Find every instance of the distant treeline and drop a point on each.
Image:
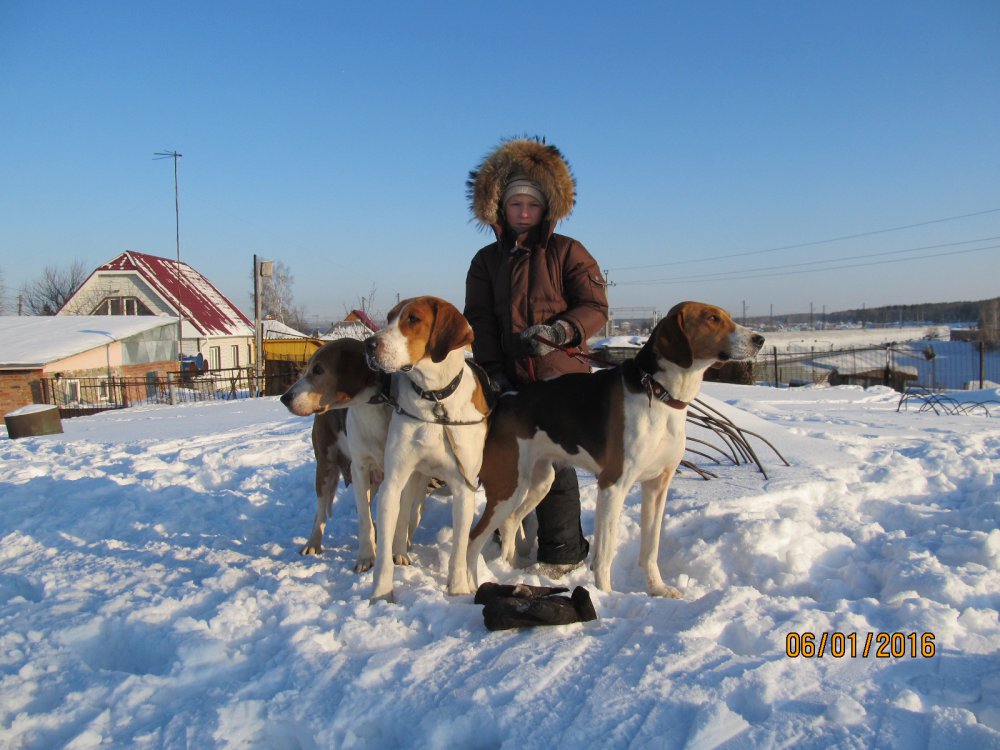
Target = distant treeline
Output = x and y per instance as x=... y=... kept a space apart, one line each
x=892 y=315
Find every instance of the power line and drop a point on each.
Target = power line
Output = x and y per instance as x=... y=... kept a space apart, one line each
x=743 y=273
x=753 y=275
x=810 y=244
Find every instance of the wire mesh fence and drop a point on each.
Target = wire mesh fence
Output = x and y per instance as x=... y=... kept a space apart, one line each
x=931 y=365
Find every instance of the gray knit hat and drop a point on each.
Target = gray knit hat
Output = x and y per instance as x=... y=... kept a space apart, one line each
x=521 y=185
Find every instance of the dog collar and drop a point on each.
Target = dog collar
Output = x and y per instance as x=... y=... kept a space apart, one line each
x=657 y=391
x=436 y=396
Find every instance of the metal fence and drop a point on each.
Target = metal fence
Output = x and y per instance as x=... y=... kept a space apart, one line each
x=81 y=396
x=933 y=365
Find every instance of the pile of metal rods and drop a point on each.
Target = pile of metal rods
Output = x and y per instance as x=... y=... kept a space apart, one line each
x=942 y=403
x=733 y=444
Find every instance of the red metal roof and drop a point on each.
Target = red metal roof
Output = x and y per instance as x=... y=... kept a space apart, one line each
x=192 y=295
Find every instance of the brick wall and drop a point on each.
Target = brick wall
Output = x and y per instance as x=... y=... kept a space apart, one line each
x=18 y=388
x=22 y=387
x=139 y=371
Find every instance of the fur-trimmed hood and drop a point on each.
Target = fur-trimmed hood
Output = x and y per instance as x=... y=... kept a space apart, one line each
x=540 y=162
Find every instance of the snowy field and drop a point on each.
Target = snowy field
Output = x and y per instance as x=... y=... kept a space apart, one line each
x=152 y=596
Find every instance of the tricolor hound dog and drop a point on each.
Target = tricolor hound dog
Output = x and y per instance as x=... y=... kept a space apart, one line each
x=348 y=437
x=439 y=423
x=624 y=424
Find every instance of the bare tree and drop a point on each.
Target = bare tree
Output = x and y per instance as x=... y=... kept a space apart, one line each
x=4 y=304
x=276 y=294
x=989 y=320
x=56 y=284
x=367 y=306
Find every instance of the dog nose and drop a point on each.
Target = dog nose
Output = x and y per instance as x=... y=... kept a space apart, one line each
x=758 y=340
x=370 y=345
x=286 y=398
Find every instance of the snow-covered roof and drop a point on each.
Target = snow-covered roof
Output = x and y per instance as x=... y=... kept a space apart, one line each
x=185 y=290
x=619 y=342
x=34 y=341
x=348 y=330
x=859 y=362
x=275 y=329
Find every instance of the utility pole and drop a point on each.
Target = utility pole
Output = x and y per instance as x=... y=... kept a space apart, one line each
x=261 y=268
x=177 y=227
x=609 y=326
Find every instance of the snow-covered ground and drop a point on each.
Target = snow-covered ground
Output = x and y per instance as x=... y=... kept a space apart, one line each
x=851 y=338
x=819 y=340
x=152 y=596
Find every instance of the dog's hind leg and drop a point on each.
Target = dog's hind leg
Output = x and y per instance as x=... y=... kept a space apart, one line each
x=610 y=501
x=514 y=538
x=527 y=533
x=654 y=501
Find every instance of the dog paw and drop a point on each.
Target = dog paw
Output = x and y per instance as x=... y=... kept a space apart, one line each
x=399 y=559
x=311 y=549
x=363 y=564
x=460 y=588
x=389 y=597
x=666 y=591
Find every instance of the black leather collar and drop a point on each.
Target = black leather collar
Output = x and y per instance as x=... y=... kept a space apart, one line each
x=437 y=396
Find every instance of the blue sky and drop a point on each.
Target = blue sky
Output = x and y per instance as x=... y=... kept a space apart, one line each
x=717 y=147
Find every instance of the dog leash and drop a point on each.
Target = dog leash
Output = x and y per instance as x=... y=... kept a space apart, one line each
x=574 y=352
x=653 y=389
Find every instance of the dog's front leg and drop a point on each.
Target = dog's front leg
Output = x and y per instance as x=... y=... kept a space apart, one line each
x=412 y=495
x=388 y=502
x=327 y=479
x=463 y=508
x=610 y=501
x=361 y=478
x=654 y=502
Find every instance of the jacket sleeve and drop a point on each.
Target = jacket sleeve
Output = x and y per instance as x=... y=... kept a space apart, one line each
x=480 y=307
x=585 y=291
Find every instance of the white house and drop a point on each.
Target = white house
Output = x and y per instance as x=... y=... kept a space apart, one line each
x=139 y=284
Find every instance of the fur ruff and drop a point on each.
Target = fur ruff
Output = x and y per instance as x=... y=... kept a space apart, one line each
x=540 y=162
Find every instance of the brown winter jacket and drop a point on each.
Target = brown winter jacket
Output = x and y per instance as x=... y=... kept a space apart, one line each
x=506 y=292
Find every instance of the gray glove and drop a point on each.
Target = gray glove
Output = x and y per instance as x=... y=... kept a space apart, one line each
x=556 y=333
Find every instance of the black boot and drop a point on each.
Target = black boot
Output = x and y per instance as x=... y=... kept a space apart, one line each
x=506 y=612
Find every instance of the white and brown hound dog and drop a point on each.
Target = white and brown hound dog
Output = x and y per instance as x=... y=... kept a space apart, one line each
x=625 y=424
x=439 y=423
x=348 y=437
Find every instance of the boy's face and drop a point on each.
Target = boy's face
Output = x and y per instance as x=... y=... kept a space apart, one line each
x=523 y=212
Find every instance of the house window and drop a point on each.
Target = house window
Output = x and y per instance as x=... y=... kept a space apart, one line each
x=215 y=358
x=236 y=355
x=71 y=391
x=121 y=306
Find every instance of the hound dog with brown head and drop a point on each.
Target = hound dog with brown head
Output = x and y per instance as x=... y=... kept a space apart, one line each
x=439 y=423
x=625 y=424
x=349 y=431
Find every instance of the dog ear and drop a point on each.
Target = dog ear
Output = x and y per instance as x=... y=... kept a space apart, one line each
x=450 y=331
x=673 y=344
